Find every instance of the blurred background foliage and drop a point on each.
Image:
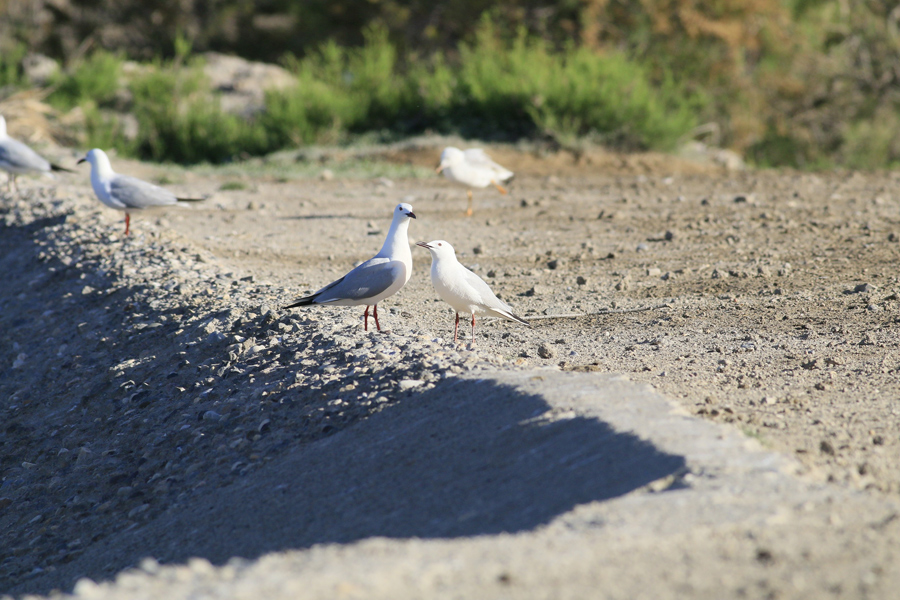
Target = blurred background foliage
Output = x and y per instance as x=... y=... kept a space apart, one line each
x=802 y=83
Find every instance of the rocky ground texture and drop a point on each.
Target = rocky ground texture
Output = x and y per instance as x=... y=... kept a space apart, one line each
x=138 y=373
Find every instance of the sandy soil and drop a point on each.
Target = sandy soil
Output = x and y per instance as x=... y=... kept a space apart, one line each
x=764 y=301
x=771 y=299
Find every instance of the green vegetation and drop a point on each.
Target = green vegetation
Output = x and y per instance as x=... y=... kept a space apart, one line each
x=93 y=80
x=232 y=186
x=11 y=66
x=498 y=89
x=180 y=118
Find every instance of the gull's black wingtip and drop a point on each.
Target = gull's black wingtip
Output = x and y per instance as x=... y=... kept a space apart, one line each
x=59 y=168
x=309 y=300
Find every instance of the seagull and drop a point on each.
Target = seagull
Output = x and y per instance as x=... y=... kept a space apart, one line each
x=462 y=289
x=123 y=192
x=472 y=168
x=17 y=159
x=377 y=278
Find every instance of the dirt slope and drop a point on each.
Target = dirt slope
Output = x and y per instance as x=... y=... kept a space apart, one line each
x=139 y=378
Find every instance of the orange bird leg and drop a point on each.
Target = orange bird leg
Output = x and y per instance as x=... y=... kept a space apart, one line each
x=499 y=187
x=469 y=210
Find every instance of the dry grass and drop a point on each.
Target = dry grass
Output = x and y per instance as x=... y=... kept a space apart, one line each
x=30 y=119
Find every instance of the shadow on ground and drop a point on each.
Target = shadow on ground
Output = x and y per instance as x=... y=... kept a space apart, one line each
x=468 y=458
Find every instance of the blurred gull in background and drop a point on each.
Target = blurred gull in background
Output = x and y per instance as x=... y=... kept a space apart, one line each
x=18 y=159
x=472 y=168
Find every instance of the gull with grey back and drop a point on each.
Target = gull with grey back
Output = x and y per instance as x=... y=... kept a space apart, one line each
x=377 y=278
x=462 y=289
x=18 y=159
x=124 y=192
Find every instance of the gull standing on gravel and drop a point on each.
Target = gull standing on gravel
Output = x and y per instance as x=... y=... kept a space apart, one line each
x=17 y=159
x=472 y=168
x=123 y=192
x=462 y=289
x=377 y=278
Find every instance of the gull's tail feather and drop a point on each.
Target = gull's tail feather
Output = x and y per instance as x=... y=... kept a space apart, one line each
x=190 y=199
x=59 y=168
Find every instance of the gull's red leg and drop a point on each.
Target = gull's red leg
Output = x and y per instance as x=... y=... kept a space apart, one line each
x=127 y=223
x=456 y=328
x=376 y=318
x=366 y=319
x=473 y=328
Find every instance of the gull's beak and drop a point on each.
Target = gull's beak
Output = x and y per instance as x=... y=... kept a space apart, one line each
x=81 y=161
x=439 y=168
x=424 y=245
x=411 y=215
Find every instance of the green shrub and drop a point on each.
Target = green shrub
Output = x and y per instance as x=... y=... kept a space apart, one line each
x=11 y=66
x=497 y=89
x=104 y=130
x=434 y=84
x=572 y=93
x=873 y=142
x=231 y=186
x=95 y=79
x=338 y=90
x=180 y=118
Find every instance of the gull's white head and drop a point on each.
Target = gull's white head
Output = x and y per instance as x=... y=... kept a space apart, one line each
x=404 y=212
x=439 y=249
x=2 y=127
x=98 y=160
x=449 y=157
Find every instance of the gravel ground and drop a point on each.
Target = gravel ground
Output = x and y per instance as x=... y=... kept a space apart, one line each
x=138 y=374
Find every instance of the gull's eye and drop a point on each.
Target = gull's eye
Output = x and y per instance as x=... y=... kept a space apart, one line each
x=440 y=244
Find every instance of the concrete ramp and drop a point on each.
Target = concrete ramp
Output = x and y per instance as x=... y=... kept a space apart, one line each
x=534 y=484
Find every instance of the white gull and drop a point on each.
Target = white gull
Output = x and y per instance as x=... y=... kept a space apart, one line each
x=472 y=168
x=462 y=289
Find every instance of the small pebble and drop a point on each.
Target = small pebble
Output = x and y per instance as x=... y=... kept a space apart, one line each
x=538 y=290
x=545 y=351
x=407 y=384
